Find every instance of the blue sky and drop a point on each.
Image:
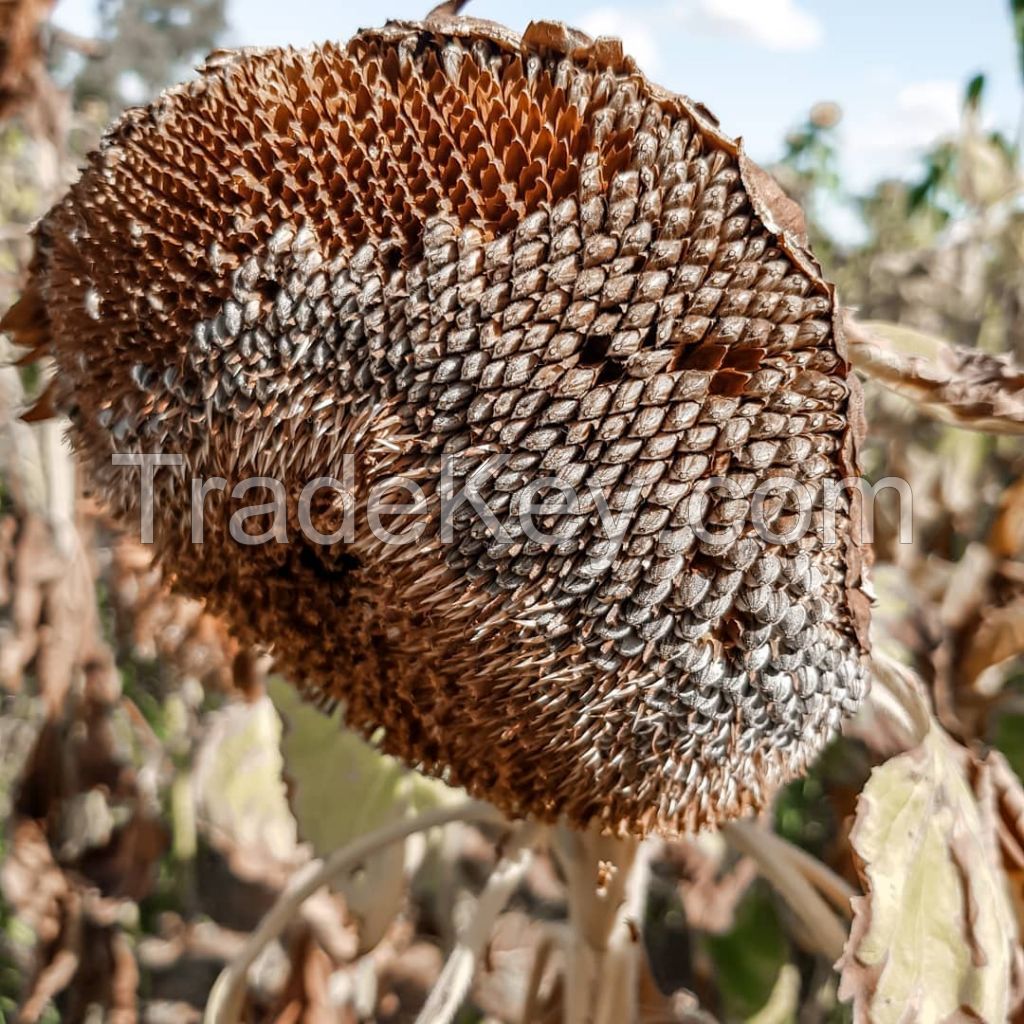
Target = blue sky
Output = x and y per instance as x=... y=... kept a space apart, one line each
x=896 y=67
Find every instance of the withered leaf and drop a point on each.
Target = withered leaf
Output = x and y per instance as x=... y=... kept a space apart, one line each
x=502 y=983
x=962 y=386
x=935 y=938
x=448 y=9
x=23 y=80
x=1006 y=538
x=710 y=885
x=998 y=636
x=32 y=883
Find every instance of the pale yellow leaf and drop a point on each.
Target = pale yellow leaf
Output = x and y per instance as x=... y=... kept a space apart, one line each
x=986 y=172
x=341 y=788
x=239 y=791
x=935 y=938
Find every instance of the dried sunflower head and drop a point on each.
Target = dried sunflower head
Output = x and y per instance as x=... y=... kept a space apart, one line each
x=460 y=256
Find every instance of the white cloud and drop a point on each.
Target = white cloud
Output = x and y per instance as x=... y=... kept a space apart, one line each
x=927 y=110
x=920 y=113
x=775 y=24
x=638 y=40
x=888 y=140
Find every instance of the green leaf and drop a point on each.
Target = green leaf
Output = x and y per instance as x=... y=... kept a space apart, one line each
x=1017 y=9
x=342 y=787
x=923 y=191
x=975 y=92
x=1009 y=738
x=749 y=958
x=784 y=1001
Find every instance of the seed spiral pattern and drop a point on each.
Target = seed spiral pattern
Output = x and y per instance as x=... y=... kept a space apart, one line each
x=448 y=250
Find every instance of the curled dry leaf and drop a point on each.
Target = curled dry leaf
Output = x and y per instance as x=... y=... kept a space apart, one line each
x=448 y=9
x=997 y=637
x=306 y=997
x=81 y=951
x=936 y=937
x=772 y=204
x=1006 y=538
x=896 y=716
x=962 y=386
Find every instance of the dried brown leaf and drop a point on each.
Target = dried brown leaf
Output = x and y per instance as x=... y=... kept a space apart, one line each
x=965 y=387
x=306 y=998
x=449 y=9
x=32 y=883
x=654 y=1007
x=773 y=206
x=997 y=637
x=22 y=58
x=1006 y=538
x=502 y=984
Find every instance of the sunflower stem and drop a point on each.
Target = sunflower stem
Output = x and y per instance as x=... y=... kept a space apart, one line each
x=606 y=877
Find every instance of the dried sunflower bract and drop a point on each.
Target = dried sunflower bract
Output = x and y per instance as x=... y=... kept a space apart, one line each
x=443 y=248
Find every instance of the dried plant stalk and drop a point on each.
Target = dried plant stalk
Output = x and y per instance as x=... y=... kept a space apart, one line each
x=606 y=879
x=453 y=985
x=225 y=1003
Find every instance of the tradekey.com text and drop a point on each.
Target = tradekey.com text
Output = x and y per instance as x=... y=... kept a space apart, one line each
x=400 y=510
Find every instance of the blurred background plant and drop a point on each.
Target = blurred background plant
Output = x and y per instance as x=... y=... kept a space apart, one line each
x=161 y=787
